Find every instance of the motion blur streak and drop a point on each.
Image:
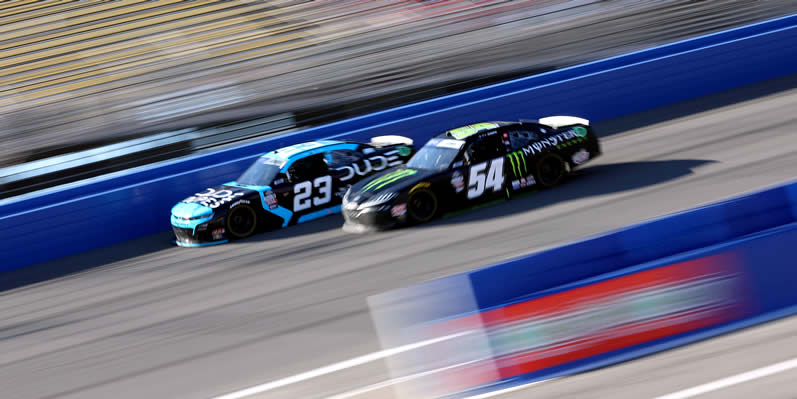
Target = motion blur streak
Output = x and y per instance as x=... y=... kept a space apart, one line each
x=87 y=73
x=146 y=320
x=533 y=335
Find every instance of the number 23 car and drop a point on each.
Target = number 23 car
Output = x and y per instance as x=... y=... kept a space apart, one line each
x=287 y=186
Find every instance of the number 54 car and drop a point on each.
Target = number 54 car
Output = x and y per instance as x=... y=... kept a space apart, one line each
x=469 y=165
x=284 y=187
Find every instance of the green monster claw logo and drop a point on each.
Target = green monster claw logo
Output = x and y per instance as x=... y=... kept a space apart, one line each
x=580 y=131
x=404 y=151
x=516 y=158
x=391 y=177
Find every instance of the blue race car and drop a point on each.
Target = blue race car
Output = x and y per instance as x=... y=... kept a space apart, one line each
x=287 y=186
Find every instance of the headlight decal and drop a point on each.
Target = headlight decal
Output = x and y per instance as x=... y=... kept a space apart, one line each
x=378 y=200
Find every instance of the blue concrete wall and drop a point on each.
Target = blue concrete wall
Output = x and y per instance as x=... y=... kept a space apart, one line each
x=765 y=268
x=134 y=203
x=655 y=239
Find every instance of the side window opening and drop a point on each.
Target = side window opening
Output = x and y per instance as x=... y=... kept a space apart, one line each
x=520 y=138
x=308 y=168
x=485 y=148
x=341 y=157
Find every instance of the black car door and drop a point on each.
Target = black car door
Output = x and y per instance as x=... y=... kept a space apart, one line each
x=485 y=168
x=312 y=187
x=520 y=166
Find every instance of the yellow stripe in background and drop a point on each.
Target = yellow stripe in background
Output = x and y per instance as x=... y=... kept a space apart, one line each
x=191 y=34
x=73 y=19
x=41 y=95
x=82 y=40
x=53 y=15
x=95 y=57
x=202 y=50
x=11 y=20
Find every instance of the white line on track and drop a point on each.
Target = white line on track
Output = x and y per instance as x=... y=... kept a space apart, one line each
x=383 y=384
x=733 y=380
x=357 y=361
x=506 y=390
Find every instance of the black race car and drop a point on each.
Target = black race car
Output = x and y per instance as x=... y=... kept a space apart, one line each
x=284 y=187
x=462 y=167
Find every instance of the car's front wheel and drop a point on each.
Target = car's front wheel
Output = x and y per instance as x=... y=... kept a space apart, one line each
x=241 y=221
x=422 y=205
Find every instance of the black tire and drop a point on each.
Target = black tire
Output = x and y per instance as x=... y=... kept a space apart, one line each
x=550 y=170
x=422 y=205
x=241 y=221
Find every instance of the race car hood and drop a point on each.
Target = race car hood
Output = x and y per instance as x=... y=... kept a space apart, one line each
x=216 y=198
x=191 y=211
x=394 y=180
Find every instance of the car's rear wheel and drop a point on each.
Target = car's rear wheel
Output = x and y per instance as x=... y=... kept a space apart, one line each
x=550 y=170
x=422 y=205
x=241 y=221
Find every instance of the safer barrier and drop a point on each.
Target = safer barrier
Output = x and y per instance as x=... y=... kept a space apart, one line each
x=645 y=288
x=75 y=218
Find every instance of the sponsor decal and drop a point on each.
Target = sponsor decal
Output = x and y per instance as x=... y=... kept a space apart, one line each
x=466 y=131
x=447 y=143
x=370 y=164
x=403 y=150
x=458 y=181
x=218 y=234
x=518 y=161
x=520 y=170
x=213 y=198
x=560 y=140
x=202 y=227
x=243 y=201
x=605 y=316
x=368 y=150
x=279 y=181
x=389 y=178
x=398 y=210
x=271 y=199
x=580 y=157
x=267 y=160
x=290 y=151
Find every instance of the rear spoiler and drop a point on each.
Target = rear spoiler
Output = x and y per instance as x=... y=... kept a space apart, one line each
x=559 y=121
x=389 y=140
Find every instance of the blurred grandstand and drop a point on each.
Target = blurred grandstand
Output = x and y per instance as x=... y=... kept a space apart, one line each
x=95 y=86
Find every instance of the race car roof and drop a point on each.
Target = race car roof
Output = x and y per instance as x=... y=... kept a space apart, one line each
x=462 y=133
x=286 y=156
x=301 y=150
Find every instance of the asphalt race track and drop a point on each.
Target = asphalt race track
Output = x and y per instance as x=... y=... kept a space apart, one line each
x=145 y=319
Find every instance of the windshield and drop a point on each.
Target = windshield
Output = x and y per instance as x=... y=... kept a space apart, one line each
x=261 y=173
x=436 y=154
